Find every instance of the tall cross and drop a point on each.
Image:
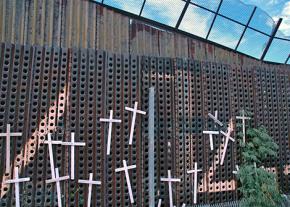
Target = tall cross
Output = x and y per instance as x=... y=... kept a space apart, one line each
x=49 y=142
x=195 y=171
x=243 y=118
x=9 y=134
x=169 y=179
x=215 y=118
x=90 y=182
x=110 y=120
x=57 y=180
x=228 y=137
x=16 y=181
x=135 y=111
x=211 y=137
x=73 y=144
x=126 y=168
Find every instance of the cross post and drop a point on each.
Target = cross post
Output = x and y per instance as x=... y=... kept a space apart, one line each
x=16 y=181
x=90 y=182
x=72 y=145
x=211 y=133
x=50 y=142
x=169 y=179
x=110 y=120
x=125 y=169
x=195 y=171
x=57 y=180
x=8 y=135
x=135 y=111
x=243 y=118
x=228 y=137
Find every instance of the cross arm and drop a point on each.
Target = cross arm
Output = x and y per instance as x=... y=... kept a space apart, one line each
x=57 y=179
x=19 y=180
x=170 y=179
x=211 y=132
x=74 y=143
x=193 y=171
x=90 y=182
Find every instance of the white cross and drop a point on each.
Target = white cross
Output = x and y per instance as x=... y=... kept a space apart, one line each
x=183 y=205
x=227 y=135
x=215 y=118
x=135 y=111
x=237 y=170
x=211 y=137
x=170 y=180
x=57 y=180
x=90 y=182
x=110 y=120
x=9 y=134
x=16 y=181
x=195 y=171
x=126 y=168
x=244 y=118
x=73 y=144
x=50 y=143
x=159 y=203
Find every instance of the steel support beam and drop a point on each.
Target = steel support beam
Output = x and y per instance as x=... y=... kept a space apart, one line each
x=182 y=14
x=215 y=15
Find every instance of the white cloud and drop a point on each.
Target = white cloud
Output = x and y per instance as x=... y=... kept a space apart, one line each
x=285 y=14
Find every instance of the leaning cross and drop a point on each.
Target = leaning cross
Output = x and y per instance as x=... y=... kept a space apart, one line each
x=73 y=144
x=126 y=168
x=215 y=118
x=243 y=118
x=135 y=111
x=227 y=135
x=57 y=180
x=159 y=203
x=110 y=120
x=211 y=137
x=237 y=170
x=169 y=179
x=90 y=182
x=195 y=171
x=8 y=134
x=50 y=143
x=16 y=181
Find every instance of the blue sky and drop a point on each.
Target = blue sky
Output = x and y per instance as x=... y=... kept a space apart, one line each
x=197 y=21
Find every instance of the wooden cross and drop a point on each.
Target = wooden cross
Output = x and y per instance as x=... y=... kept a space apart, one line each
x=90 y=182
x=16 y=181
x=57 y=180
x=50 y=143
x=9 y=134
x=169 y=179
x=110 y=120
x=227 y=135
x=126 y=168
x=211 y=137
x=237 y=170
x=243 y=118
x=159 y=203
x=73 y=144
x=195 y=171
x=215 y=118
x=135 y=111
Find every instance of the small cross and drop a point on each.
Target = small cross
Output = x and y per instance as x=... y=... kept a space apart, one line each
x=110 y=120
x=135 y=111
x=195 y=171
x=16 y=181
x=57 y=180
x=9 y=134
x=227 y=135
x=169 y=179
x=73 y=144
x=90 y=182
x=126 y=168
x=243 y=118
x=159 y=203
x=237 y=170
x=183 y=205
x=211 y=137
x=215 y=118
x=50 y=143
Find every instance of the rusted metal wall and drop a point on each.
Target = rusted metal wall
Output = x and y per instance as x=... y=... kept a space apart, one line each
x=80 y=23
x=60 y=90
